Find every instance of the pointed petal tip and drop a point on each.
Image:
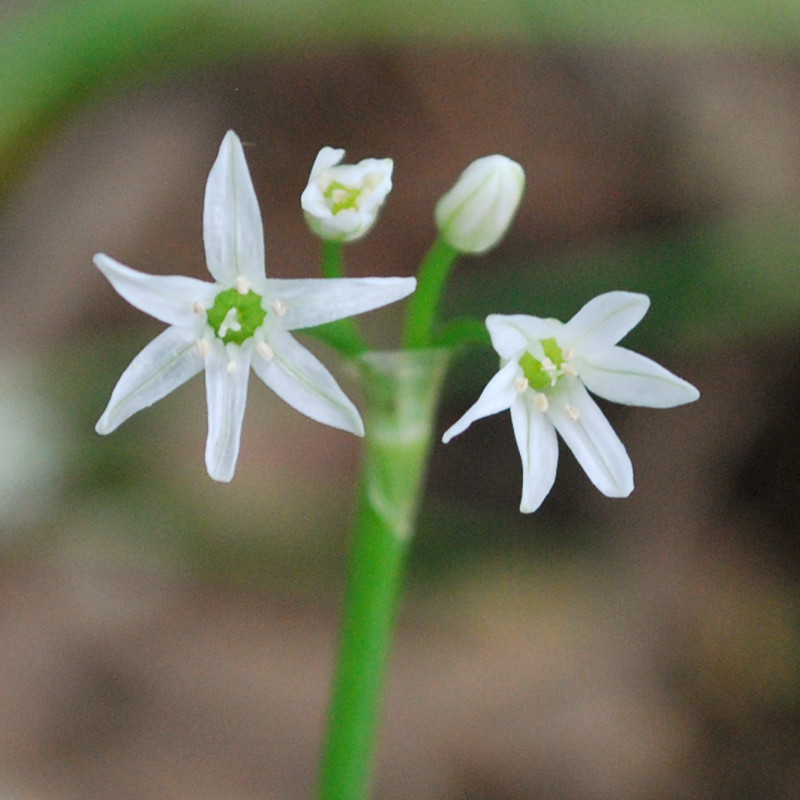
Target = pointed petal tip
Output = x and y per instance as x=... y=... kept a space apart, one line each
x=105 y=263
x=526 y=508
x=219 y=477
x=622 y=491
x=231 y=139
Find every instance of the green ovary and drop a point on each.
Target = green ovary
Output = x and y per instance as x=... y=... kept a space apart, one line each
x=342 y=197
x=538 y=377
x=247 y=317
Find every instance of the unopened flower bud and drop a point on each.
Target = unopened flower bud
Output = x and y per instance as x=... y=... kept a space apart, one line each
x=475 y=214
x=341 y=201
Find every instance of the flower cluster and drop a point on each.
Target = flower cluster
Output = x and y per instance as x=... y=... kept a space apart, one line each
x=244 y=319
x=241 y=320
x=547 y=367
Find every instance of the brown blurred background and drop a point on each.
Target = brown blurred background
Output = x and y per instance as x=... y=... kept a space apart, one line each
x=164 y=637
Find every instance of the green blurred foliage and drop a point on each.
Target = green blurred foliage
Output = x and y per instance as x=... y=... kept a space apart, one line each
x=57 y=54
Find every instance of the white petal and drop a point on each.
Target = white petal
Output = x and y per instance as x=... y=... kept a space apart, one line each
x=167 y=362
x=500 y=393
x=538 y=448
x=626 y=377
x=232 y=231
x=514 y=333
x=169 y=298
x=227 y=371
x=593 y=441
x=604 y=320
x=326 y=158
x=297 y=377
x=313 y=301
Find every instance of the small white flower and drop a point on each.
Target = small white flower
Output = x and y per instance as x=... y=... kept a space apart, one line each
x=546 y=368
x=241 y=320
x=475 y=214
x=341 y=201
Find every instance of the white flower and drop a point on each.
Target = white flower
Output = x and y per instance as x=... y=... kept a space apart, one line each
x=241 y=320
x=475 y=214
x=341 y=201
x=546 y=368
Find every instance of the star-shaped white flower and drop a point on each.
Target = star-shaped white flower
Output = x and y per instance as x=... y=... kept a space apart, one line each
x=244 y=319
x=341 y=201
x=546 y=368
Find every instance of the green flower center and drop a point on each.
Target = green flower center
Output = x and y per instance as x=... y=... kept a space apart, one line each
x=235 y=317
x=342 y=197
x=544 y=374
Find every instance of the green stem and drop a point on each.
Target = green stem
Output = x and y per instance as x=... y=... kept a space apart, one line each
x=344 y=334
x=423 y=305
x=332 y=259
x=401 y=392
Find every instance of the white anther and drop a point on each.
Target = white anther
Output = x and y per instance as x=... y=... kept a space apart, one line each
x=230 y=323
x=548 y=365
x=198 y=307
x=372 y=180
x=243 y=286
x=279 y=307
x=568 y=369
x=339 y=196
x=265 y=350
x=568 y=354
x=231 y=367
x=573 y=413
x=541 y=402
x=323 y=180
x=203 y=347
x=521 y=384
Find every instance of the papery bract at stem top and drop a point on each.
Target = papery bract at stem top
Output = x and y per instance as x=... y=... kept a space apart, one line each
x=241 y=320
x=547 y=367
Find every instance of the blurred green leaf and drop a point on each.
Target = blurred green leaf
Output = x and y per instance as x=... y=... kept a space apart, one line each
x=710 y=285
x=55 y=56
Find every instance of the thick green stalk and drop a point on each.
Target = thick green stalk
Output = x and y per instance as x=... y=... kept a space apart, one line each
x=423 y=305
x=401 y=392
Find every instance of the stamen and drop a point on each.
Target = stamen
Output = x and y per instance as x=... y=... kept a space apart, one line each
x=265 y=350
x=521 y=384
x=541 y=402
x=568 y=369
x=231 y=367
x=339 y=196
x=203 y=347
x=243 y=286
x=568 y=353
x=279 y=307
x=548 y=365
x=573 y=413
x=198 y=307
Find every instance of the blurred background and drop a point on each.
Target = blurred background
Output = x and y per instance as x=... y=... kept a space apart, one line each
x=164 y=637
